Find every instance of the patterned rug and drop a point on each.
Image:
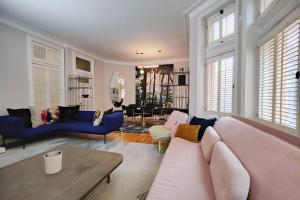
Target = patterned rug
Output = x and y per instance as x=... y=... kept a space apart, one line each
x=131 y=128
x=131 y=180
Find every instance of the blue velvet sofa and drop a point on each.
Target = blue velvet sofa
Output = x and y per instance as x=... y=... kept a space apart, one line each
x=13 y=127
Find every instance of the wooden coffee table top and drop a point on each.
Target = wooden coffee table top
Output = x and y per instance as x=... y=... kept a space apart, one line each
x=82 y=170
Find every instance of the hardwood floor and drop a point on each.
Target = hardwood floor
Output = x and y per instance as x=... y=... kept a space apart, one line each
x=132 y=137
x=125 y=137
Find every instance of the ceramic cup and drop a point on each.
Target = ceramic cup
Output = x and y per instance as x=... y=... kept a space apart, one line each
x=53 y=162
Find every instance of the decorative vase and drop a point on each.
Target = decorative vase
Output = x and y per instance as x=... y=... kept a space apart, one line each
x=53 y=162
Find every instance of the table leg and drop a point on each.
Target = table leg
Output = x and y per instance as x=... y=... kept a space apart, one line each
x=108 y=178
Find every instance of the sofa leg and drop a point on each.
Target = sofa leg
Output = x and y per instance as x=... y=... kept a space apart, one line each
x=3 y=141
x=24 y=144
x=104 y=139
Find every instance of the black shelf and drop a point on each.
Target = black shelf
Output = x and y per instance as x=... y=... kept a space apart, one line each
x=173 y=85
x=80 y=88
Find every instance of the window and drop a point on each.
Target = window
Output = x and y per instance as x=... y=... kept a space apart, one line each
x=220 y=83
x=221 y=26
x=264 y=4
x=47 y=76
x=278 y=80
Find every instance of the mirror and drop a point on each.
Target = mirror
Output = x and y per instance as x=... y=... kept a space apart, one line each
x=117 y=89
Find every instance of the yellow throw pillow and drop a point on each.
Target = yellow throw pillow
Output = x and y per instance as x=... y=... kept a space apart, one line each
x=188 y=132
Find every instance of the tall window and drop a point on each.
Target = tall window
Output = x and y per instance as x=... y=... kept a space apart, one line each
x=264 y=4
x=220 y=64
x=220 y=83
x=221 y=26
x=278 y=80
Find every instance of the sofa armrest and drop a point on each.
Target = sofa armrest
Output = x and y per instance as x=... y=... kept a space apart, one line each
x=11 y=126
x=113 y=121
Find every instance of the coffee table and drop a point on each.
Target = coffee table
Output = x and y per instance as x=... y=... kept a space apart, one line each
x=82 y=170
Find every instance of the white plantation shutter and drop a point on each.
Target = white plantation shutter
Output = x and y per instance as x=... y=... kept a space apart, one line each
x=54 y=87
x=228 y=24
x=264 y=4
x=266 y=77
x=47 y=76
x=213 y=32
x=40 y=86
x=287 y=51
x=226 y=84
x=220 y=83
x=212 y=85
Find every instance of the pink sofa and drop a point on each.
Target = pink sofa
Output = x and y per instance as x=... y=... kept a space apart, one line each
x=273 y=165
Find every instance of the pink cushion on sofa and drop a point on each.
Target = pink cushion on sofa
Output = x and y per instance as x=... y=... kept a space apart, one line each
x=208 y=142
x=170 y=123
x=183 y=174
x=273 y=164
x=230 y=179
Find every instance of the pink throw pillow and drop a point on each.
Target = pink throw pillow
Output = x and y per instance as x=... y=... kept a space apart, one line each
x=170 y=123
x=230 y=179
x=210 y=138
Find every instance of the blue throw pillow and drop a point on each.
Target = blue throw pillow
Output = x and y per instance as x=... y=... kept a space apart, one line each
x=204 y=123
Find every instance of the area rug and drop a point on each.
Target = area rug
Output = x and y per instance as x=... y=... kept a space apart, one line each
x=131 y=180
x=131 y=128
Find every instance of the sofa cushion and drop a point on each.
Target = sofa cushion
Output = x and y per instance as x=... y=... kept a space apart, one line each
x=39 y=131
x=230 y=179
x=23 y=113
x=85 y=127
x=204 y=123
x=208 y=142
x=181 y=176
x=272 y=163
x=188 y=132
x=69 y=113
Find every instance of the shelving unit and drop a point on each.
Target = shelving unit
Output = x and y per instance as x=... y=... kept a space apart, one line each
x=180 y=91
x=81 y=91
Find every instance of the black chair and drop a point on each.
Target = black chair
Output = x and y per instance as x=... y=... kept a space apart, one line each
x=148 y=111
x=133 y=111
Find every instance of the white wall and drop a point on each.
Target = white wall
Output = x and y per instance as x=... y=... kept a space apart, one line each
x=99 y=84
x=127 y=72
x=13 y=69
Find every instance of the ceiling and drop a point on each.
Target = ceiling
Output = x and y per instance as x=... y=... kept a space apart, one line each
x=110 y=29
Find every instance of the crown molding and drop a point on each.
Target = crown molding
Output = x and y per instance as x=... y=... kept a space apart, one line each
x=151 y=62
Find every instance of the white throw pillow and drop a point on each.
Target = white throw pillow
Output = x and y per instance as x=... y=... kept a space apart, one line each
x=210 y=138
x=36 y=117
x=98 y=117
x=230 y=179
